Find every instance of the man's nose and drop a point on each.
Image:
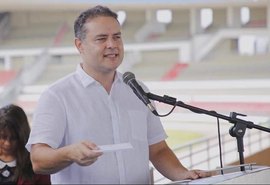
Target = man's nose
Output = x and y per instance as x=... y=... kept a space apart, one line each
x=111 y=43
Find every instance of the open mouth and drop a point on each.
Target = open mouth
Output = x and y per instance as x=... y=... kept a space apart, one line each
x=111 y=55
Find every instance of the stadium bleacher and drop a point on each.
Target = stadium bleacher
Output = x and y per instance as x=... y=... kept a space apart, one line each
x=54 y=28
x=6 y=76
x=41 y=28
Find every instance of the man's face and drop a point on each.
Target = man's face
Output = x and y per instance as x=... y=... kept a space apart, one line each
x=102 y=49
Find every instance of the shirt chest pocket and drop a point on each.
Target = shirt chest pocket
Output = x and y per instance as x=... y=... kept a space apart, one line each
x=138 y=124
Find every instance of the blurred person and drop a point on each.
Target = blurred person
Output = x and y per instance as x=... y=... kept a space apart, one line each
x=15 y=163
x=93 y=107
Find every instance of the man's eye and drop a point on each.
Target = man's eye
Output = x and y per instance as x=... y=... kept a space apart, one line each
x=100 y=39
x=117 y=37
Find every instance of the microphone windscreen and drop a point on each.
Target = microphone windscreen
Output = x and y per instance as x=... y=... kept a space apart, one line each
x=127 y=76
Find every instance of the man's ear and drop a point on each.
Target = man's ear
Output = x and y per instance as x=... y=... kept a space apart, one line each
x=78 y=44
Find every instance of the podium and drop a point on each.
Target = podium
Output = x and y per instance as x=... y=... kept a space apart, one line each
x=233 y=175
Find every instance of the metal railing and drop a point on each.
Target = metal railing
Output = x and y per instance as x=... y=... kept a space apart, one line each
x=204 y=153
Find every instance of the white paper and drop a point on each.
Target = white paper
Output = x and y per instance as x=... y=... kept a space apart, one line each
x=115 y=147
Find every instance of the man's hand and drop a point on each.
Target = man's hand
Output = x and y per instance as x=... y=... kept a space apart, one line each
x=46 y=160
x=84 y=153
x=195 y=174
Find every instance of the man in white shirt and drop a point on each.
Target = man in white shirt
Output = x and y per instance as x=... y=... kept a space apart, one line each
x=93 y=107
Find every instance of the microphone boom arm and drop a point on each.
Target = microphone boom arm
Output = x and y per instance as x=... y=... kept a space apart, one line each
x=238 y=130
x=232 y=119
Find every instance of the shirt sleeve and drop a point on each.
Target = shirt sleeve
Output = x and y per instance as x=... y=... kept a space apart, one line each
x=49 y=122
x=156 y=132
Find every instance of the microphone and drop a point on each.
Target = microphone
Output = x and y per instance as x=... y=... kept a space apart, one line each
x=129 y=79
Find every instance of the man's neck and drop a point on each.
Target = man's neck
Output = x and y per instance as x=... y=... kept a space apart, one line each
x=104 y=78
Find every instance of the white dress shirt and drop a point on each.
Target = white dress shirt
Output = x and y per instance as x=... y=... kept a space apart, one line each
x=78 y=108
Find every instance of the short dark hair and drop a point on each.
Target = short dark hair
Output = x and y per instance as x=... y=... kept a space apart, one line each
x=79 y=30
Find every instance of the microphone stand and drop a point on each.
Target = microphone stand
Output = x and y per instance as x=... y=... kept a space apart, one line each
x=237 y=130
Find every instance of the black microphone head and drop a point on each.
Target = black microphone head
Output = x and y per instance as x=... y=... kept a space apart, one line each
x=127 y=76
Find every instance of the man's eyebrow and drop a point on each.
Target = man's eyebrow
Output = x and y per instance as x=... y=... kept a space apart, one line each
x=118 y=33
x=106 y=35
x=101 y=35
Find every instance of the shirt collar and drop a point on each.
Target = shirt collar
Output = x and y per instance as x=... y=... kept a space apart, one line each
x=83 y=76
x=10 y=164
x=87 y=80
x=118 y=77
